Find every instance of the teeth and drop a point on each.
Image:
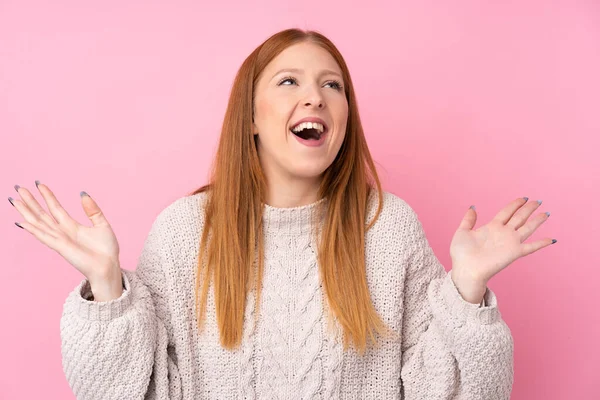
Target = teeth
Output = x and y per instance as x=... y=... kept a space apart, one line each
x=309 y=125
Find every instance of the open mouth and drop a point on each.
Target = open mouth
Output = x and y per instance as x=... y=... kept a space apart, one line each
x=309 y=131
x=308 y=134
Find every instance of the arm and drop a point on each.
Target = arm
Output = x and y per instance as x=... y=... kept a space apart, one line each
x=118 y=349
x=450 y=348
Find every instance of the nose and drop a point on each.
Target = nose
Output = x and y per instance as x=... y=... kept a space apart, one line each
x=314 y=98
x=319 y=104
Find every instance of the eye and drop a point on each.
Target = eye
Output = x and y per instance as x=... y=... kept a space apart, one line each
x=336 y=84
x=287 y=78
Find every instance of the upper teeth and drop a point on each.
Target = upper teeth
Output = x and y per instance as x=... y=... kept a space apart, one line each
x=309 y=125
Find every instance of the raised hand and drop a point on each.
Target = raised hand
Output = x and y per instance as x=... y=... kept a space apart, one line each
x=477 y=255
x=93 y=251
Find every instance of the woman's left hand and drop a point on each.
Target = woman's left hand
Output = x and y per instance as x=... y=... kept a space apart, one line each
x=477 y=255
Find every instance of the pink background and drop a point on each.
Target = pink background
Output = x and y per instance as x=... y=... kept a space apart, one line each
x=463 y=102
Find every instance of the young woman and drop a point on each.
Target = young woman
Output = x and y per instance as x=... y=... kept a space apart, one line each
x=291 y=274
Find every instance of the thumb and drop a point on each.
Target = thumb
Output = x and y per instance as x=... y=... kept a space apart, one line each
x=92 y=210
x=469 y=220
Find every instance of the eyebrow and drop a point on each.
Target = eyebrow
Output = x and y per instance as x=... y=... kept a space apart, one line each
x=300 y=71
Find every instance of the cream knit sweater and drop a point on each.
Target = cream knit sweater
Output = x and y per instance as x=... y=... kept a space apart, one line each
x=145 y=344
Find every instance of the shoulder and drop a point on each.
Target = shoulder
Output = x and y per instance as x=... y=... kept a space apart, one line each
x=398 y=220
x=395 y=210
x=184 y=208
x=184 y=205
x=179 y=219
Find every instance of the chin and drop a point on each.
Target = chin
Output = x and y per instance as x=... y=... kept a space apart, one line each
x=310 y=171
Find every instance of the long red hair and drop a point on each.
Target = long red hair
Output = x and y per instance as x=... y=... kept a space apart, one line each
x=236 y=197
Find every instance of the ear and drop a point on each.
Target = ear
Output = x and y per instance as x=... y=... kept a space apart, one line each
x=254 y=127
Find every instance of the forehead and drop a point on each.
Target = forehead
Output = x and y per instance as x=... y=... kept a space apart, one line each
x=307 y=56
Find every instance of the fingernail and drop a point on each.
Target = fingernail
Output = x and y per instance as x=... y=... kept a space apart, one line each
x=553 y=241
x=539 y=202
x=11 y=201
x=82 y=193
x=526 y=198
x=473 y=207
x=548 y=213
x=37 y=183
x=17 y=187
x=19 y=225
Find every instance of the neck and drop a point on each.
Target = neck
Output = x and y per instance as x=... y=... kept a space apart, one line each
x=292 y=191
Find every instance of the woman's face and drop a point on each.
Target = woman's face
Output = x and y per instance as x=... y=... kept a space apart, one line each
x=282 y=98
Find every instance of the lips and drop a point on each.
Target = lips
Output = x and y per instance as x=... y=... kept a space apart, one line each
x=312 y=142
x=311 y=119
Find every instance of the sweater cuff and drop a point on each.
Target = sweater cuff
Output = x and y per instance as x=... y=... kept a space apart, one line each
x=102 y=310
x=464 y=311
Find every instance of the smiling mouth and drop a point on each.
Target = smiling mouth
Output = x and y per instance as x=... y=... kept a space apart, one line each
x=309 y=134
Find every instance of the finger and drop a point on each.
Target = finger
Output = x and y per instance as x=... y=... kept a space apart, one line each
x=42 y=235
x=469 y=220
x=528 y=248
x=507 y=212
x=521 y=216
x=33 y=213
x=92 y=210
x=56 y=209
x=527 y=230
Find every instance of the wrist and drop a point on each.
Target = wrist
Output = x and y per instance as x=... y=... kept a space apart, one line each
x=470 y=290
x=108 y=286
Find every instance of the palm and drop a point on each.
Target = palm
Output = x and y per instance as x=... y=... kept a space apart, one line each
x=98 y=239
x=90 y=245
x=94 y=251
x=481 y=253
x=490 y=248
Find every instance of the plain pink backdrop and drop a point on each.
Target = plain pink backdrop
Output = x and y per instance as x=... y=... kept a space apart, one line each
x=463 y=102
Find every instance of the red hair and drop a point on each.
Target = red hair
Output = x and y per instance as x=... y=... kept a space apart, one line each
x=236 y=197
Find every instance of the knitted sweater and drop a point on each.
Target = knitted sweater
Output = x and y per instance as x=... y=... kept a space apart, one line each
x=146 y=345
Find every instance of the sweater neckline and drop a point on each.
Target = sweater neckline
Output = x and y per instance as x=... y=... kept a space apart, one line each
x=298 y=220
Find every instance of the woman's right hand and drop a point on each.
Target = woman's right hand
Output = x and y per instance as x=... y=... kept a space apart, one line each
x=93 y=251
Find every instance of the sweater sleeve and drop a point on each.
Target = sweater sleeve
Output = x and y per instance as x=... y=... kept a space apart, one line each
x=451 y=349
x=119 y=349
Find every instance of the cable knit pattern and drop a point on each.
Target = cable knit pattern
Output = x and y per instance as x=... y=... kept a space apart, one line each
x=290 y=331
x=246 y=369
x=145 y=344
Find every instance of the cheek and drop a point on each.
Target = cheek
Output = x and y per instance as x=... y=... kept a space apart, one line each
x=342 y=121
x=341 y=116
x=273 y=111
x=262 y=111
x=344 y=110
x=338 y=107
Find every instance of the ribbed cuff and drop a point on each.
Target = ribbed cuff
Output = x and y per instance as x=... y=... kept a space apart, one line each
x=464 y=311
x=102 y=310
